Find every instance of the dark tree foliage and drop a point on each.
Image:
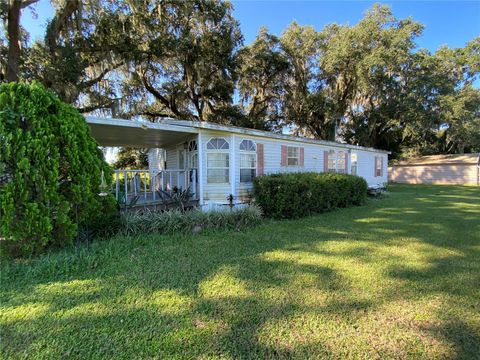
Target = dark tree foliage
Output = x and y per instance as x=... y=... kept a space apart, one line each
x=365 y=84
x=50 y=170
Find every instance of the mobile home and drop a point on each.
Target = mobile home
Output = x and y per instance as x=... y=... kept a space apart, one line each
x=218 y=163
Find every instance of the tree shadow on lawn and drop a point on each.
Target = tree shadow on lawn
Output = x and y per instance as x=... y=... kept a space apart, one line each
x=92 y=324
x=169 y=296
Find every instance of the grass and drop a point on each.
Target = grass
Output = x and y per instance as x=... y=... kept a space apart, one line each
x=396 y=278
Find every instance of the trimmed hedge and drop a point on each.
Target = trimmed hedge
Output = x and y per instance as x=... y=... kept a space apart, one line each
x=293 y=195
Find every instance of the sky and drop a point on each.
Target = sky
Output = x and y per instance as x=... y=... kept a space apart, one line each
x=451 y=23
x=446 y=22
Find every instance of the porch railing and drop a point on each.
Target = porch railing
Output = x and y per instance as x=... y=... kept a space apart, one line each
x=147 y=186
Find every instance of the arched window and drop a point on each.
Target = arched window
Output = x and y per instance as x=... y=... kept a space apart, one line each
x=192 y=145
x=192 y=155
x=218 y=144
x=248 y=161
x=248 y=145
x=218 y=161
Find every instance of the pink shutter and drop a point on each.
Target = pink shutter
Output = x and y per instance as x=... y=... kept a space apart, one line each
x=346 y=162
x=325 y=161
x=260 y=165
x=284 y=155
x=375 y=167
x=381 y=164
x=302 y=156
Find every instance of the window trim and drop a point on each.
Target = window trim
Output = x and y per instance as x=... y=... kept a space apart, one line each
x=290 y=157
x=378 y=166
x=217 y=137
x=330 y=152
x=250 y=140
x=340 y=157
x=193 y=148
x=352 y=163
x=218 y=151
x=247 y=152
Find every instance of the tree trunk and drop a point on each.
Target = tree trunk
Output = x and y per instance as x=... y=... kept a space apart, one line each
x=13 y=29
x=13 y=32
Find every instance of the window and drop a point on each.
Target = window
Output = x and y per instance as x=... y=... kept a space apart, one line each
x=378 y=166
x=331 y=162
x=192 y=156
x=218 y=144
x=341 y=162
x=247 y=145
x=218 y=161
x=293 y=156
x=248 y=161
x=354 y=164
x=192 y=145
x=193 y=161
x=335 y=161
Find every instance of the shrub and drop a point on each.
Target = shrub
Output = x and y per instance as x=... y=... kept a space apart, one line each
x=51 y=170
x=292 y=195
x=194 y=221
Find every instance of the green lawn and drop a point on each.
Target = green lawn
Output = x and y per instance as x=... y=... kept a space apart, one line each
x=396 y=278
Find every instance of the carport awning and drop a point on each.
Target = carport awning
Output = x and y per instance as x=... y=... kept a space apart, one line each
x=130 y=133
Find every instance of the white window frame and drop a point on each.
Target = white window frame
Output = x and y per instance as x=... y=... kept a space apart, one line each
x=297 y=157
x=340 y=156
x=225 y=151
x=192 y=145
x=192 y=154
x=354 y=163
x=334 y=168
x=378 y=166
x=248 y=153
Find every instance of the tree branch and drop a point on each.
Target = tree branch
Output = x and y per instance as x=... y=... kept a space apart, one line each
x=158 y=96
x=59 y=22
x=27 y=3
x=91 y=82
x=95 y=107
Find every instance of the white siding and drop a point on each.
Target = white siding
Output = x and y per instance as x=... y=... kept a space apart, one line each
x=313 y=161
x=366 y=167
x=172 y=160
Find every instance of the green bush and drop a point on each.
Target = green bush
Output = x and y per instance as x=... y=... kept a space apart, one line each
x=293 y=195
x=194 y=221
x=50 y=171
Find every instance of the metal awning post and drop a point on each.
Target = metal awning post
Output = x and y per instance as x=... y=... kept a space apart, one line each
x=125 y=179
x=153 y=180
x=117 y=184
x=194 y=183
x=145 y=187
x=185 y=176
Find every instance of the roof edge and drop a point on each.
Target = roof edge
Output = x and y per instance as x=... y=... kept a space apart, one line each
x=174 y=124
x=263 y=133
